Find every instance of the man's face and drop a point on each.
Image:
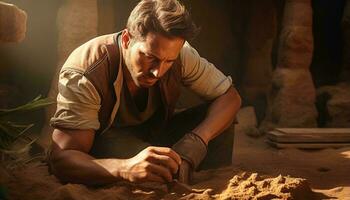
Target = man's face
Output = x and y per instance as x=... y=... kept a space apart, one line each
x=149 y=59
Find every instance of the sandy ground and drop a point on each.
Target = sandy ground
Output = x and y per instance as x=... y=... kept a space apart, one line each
x=259 y=172
x=327 y=171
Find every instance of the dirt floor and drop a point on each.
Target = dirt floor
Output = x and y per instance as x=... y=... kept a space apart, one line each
x=259 y=172
x=326 y=171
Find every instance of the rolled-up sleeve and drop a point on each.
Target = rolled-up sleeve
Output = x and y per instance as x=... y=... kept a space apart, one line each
x=201 y=76
x=78 y=102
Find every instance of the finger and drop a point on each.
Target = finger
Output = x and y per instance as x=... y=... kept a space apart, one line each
x=152 y=177
x=165 y=161
x=164 y=172
x=167 y=151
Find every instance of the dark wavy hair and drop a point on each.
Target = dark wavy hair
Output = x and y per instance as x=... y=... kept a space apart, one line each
x=167 y=17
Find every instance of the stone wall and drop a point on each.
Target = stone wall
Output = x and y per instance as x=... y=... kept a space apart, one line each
x=13 y=25
x=269 y=59
x=29 y=65
x=77 y=22
x=265 y=46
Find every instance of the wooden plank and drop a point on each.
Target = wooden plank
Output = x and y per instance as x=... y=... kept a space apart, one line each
x=314 y=130
x=277 y=136
x=307 y=145
x=280 y=137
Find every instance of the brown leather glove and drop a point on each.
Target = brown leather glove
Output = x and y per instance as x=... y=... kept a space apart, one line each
x=192 y=150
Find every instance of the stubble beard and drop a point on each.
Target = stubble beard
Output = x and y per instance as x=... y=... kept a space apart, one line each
x=131 y=71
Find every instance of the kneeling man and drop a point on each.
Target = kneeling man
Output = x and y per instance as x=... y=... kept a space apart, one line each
x=115 y=115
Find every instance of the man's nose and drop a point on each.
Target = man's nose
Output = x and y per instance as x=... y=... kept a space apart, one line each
x=157 y=69
x=155 y=72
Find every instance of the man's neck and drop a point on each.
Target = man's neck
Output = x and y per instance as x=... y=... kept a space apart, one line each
x=133 y=89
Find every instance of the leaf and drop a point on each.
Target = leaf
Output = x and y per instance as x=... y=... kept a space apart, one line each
x=19 y=150
x=30 y=106
x=11 y=132
x=26 y=127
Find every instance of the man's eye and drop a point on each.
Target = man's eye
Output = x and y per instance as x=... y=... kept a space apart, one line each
x=147 y=56
x=151 y=58
x=170 y=62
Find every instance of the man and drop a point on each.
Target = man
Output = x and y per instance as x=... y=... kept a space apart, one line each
x=117 y=94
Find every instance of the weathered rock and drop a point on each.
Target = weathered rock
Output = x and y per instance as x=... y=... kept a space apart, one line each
x=296 y=46
x=292 y=98
x=296 y=40
x=77 y=22
x=334 y=105
x=345 y=73
x=297 y=13
x=13 y=22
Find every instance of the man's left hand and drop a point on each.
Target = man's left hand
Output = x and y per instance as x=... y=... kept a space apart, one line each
x=192 y=150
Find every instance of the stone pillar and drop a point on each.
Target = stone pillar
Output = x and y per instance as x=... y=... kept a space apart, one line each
x=13 y=23
x=77 y=22
x=291 y=101
x=345 y=73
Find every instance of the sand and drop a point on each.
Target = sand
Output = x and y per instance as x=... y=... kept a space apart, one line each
x=326 y=170
x=34 y=182
x=259 y=172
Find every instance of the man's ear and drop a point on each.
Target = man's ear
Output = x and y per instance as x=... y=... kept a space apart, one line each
x=125 y=39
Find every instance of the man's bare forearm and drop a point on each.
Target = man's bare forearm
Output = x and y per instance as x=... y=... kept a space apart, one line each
x=70 y=162
x=220 y=115
x=78 y=167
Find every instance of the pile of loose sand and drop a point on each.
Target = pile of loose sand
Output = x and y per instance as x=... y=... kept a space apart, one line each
x=34 y=182
x=255 y=187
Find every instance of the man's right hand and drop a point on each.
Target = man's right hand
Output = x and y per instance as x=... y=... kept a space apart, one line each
x=154 y=164
x=70 y=162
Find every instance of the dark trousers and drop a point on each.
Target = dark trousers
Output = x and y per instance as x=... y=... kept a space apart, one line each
x=129 y=141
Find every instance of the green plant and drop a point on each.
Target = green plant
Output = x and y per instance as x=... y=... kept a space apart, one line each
x=13 y=138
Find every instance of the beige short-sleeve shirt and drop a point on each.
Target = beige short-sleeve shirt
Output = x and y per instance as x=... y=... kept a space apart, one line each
x=201 y=76
x=78 y=102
